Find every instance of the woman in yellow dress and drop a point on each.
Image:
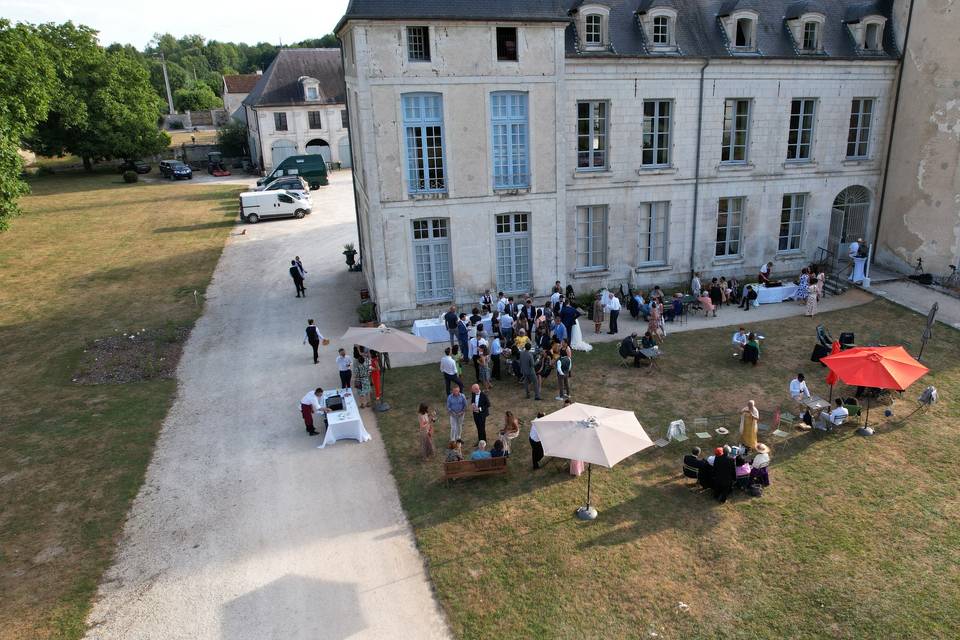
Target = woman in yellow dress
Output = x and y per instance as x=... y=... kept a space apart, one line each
x=749 y=416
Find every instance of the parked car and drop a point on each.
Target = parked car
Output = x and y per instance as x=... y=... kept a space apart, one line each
x=310 y=167
x=134 y=165
x=290 y=184
x=174 y=170
x=257 y=205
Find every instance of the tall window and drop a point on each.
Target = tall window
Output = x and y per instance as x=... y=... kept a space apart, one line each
x=513 y=252
x=591 y=135
x=511 y=163
x=418 y=44
x=729 y=221
x=736 y=130
x=871 y=37
x=811 y=36
x=656 y=133
x=423 y=123
x=800 y=139
x=312 y=93
x=654 y=222
x=280 y=121
x=344 y=120
x=431 y=255
x=791 y=221
x=744 y=34
x=592 y=237
x=313 y=118
x=593 y=36
x=661 y=30
x=858 y=140
x=506 y=43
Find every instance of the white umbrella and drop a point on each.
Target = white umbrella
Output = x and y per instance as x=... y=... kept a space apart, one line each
x=385 y=340
x=596 y=435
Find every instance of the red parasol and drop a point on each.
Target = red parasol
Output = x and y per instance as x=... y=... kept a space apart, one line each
x=878 y=367
x=832 y=377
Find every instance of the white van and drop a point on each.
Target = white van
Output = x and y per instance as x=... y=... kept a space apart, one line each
x=256 y=205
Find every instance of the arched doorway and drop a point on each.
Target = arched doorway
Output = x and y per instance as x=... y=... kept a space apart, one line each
x=281 y=150
x=319 y=145
x=344 y=150
x=848 y=220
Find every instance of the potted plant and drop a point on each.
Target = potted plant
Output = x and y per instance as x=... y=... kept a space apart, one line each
x=367 y=314
x=351 y=255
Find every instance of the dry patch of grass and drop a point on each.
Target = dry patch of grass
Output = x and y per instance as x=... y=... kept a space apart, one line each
x=855 y=538
x=203 y=136
x=90 y=258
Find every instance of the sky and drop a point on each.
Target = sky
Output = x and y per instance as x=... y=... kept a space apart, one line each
x=126 y=22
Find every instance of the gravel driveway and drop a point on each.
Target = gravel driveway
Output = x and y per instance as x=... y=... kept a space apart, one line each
x=243 y=528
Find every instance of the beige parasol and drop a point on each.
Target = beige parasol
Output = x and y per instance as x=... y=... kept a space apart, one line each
x=385 y=340
x=596 y=435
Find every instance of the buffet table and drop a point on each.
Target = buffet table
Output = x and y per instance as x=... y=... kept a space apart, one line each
x=434 y=329
x=768 y=295
x=346 y=424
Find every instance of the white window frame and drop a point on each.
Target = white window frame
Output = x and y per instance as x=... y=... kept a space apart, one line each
x=875 y=47
x=810 y=28
x=729 y=206
x=421 y=166
x=593 y=30
x=510 y=230
x=653 y=224
x=598 y=140
x=730 y=134
x=859 y=133
x=436 y=243
x=796 y=128
x=649 y=21
x=731 y=24
x=278 y=117
x=584 y=14
x=319 y=118
x=591 y=244
x=417 y=51
x=654 y=122
x=794 y=206
x=513 y=132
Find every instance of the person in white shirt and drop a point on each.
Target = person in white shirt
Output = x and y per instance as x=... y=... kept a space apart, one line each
x=345 y=367
x=536 y=447
x=472 y=351
x=612 y=304
x=854 y=249
x=309 y=405
x=695 y=285
x=835 y=418
x=765 y=273
x=740 y=338
x=798 y=388
x=555 y=298
x=506 y=328
x=501 y=302
x=448 y=367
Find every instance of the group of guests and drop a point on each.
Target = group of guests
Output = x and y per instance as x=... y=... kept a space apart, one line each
x=477 y=404
x=747 y=344
x=727 y=469
x=809 y=283
x=714 y=294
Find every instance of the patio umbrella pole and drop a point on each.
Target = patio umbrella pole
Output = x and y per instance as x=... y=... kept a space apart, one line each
x=587 y=512
x=381 y=406
x=865 y=430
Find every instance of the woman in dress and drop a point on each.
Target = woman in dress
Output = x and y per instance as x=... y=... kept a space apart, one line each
x=654 y=324
x=511 y=429
x=759 y=465
x=454 y=451
x=375 y=374
x=483 y=364
x=813 y=297
x=803 y=286
x=361 y=377
x=426 y=418
x=598 y=313
x=749 y=416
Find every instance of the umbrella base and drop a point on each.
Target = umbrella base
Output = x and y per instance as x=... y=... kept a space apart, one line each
x=586 y=513
x=865 y=431
x=381 y=406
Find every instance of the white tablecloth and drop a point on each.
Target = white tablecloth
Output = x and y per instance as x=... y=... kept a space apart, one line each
x=768 y=295
x=434 y=329
x=859 y=269
x=346 y=424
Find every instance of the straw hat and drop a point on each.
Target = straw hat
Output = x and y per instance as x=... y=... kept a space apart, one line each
x=762 y=448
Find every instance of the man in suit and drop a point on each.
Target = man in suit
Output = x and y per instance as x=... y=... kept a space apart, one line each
x=568 y=316
x=529 y=372
x=450 y=322
x=480 y=407
x=463 y=334
x=297 y=276
x=628 y=349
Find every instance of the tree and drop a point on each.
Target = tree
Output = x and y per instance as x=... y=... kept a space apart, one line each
x=27 y=84
x=104 y=106
x=232 y=139
x=196 y=96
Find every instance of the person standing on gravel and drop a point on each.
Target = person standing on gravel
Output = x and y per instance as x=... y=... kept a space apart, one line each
x=345 y=368
x=313 y=336
x=297 y=276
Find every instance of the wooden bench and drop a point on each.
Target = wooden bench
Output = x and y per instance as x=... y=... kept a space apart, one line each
x=474 y=468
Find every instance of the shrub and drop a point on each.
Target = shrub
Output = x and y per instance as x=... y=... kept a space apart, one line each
x=130 y=177
x=366 y=312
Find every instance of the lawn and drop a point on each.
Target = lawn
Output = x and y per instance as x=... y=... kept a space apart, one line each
x=855 y=538
x=90 y=258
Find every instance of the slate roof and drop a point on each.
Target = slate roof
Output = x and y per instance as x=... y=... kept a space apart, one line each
x=699 y=32
x=280 y=83
x=241 y=83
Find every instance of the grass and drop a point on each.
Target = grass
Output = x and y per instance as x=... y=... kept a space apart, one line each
x=855 y=538
x=91 y=256
x=203 y=136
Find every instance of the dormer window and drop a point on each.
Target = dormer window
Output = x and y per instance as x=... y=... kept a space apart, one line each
x=593 y=31
x=312 y=93
x=806 y=29
x=871 y=37
x=811 y=36
x=744 y=36
x=311 y=88
x=658 y=27
x=868 y=33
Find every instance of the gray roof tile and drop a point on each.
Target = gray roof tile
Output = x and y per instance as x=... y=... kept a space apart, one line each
x=280 y=83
